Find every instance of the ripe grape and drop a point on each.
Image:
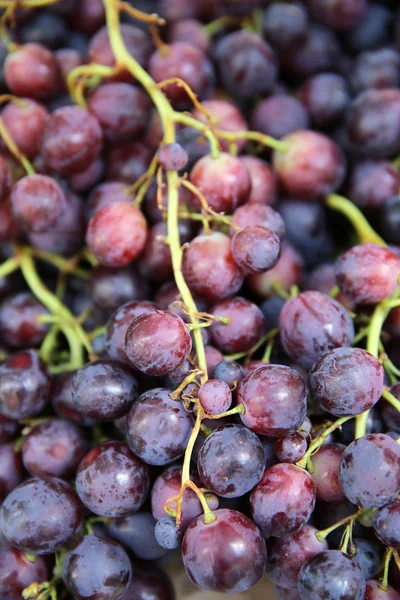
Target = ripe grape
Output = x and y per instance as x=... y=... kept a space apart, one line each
x=362 y=184
x=291 y=448
x=215 y=396
x=11 y=469
x=118 y=324
x=148 y=584
x=111 y=481
x=228 y=371
x=311 y=324
x=48 y=514
x=168 y=534
x=210 y=551
x=320 y=51
x=20 y=324
x=386 y=524
x=226 y=117
x=259 y=215
x=377 y=69
x=374 y=591
x=326 y=464
x=97 y=568
x=262 y=180
x=25 y=122
x=110 y=287
x=31 y=71
x=244 y=328
x=255 y=249
x=172 y=157
x=370 y=471
x=137 y=43
x=286 y=273
x=282 y=502
x=105 y=194
x=326 y=96
x=285 y=25
x=275 y=400
x=137 y=533
x=279 y=115
x=368 y=556
x=158 y=427
x=17 y=572
x=189 y=31
x=342 y=15
x=127 y=162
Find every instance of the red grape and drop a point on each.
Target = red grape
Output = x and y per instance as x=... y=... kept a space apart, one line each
x=262 y=180
x=255 y=249
x=25 y=122
x=20 y=324
x=244 y=328
x=257 y=214
x=326 y=463
x=215 y=396
x=31 y=71
x=118 y=324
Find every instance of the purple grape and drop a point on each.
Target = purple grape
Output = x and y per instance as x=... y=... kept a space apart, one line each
x=326 y=463
x=168 y=534
x=17 y=572
x=283 y=500
x=62 y=401
x=228 y=555
x=118 y=324
x=148 y=584
x=228 y=371
x=368 y=556
x=137 y=533
x=11 y=469
x=245 y=326
x=231 y=461
x=291 y=448
x=215 y=396
x=386 y=524
x=370 y=471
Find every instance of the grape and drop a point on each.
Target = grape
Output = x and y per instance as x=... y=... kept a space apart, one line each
x=105 y=194
x=104 y=390
x=377 y=69
x=386 y=524
x=41 y=516
x=97 y=568
x=282 y=502
x=37 y=202
x=118 y=324
x=326 y=463
x=19 y=320
x=228 y=371
x=31 y=71
x=117 y=234
x=331 y=574
x=67 y=60
x=71 y=140
x=209 y=269
x=25 y=122
x=224 y=181
x=346 y=381
x=310 y=165
x=137 y=533
x=285 y=25
x=89 y=15
x=327 y=514
x=372 y=29
x=109 y=288
x=17 y=572
x=11 y=469
x=311 y=324
x=262 y=180
x=231 y=461
x=275 y=400
x=255 y=249
x=247 y=64
x=157 y=342
x=227 y=555
x=190 y=31
x=226 y=117
x=121 y=109
x=158 y=428
x=111 y=481
x=62 y=401
x=155 y=261
x=291 y=449
x=259 y=215
x=370 y=471
x=53 y=449
x=342 y=15
x=326 y=97
x=168 y=535
x=25 y=385
x=319 y=52
x=362 y=185
x=215 y=396
x=373 y=591
x=8 y=429
x=287 y=555
x=279 y=115
x=127 y=162
x=389 y=219
x=368 y=556
x=172 y=157
x=244 y=328
x=9 y=228
x=373 y=123
x=286 y=273
x=149 y=584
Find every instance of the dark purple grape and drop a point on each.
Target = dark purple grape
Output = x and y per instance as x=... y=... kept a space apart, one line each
x=386 y=524
x=137 y=533
x=31 y=71
x=71 y=140
x=156 y=343
x=259 y=215
x=104 y=390
x=53 y=449
x=215 y=396
x=319 y=52
x=378 y=69
x=372 y=183
x=11 y=469
x=311 y=324
x=168 y=534
x=121 y=109
x=370 y=471
x=287 y=555
x=210 y=551
x=109 y=288
x=172 y=157
x=9 y=229
x=17 y=572
x=47 y=29
x=326 y=97
x=346 y=381
x=255 y=249
x=25 y=385
x=368 y=556
x=247 y=64
x=148 y=584
x=367 y=273
x=340 y=15
x=275 y=400
x=244 y=329
x=127 y=162
x=326 y=463
x=111 y=481
x=372 y=30
x=231 y=461
x=105 y=194
x=8 y=429
x=86 y=179
x=67 y=60
x=285 y=25
x=20 y=324
x=389 y=219
x=262 y=180
x=374 y=591
x=228 y=371
x=311 y=165
x=158 y=427
x=373 y=123
x=97 y=569
x=331 y=574
x=41 y=516
x=24 y=122
x=156 y=261
x=37 y=203
x=291 y=449
x=88 y=15
x=283 y=500
x=62 y=401
x=118 y=324
x=279 y=115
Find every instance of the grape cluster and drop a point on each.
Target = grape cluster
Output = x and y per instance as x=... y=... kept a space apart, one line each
x=199 y=298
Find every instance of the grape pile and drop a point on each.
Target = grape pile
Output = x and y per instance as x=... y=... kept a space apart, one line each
x=199 y=298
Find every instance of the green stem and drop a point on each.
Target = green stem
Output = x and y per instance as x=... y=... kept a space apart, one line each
x=317 y=443
x=390 y=398
x=265 y=338
x=9 y=266
x=13 y=148
x=323 y=534
x=366 y=234
x=238 y=410
x=388 y=557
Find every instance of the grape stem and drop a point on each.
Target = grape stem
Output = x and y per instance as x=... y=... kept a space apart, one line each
x=391 y=399
x=323 y=533
x=13 y=148
x=388 y=557
x=366 y=234
x=317 y=443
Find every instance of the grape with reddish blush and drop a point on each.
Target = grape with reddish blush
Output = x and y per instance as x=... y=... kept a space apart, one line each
x=25 y=122
x=286 y=273
x=227 y=117
x=257 y=214
x=255 y=249
x=326 y=463
x=31 y=71
x=262 y=180
x=11 y=469
x=215 y=396
x=374 y=591
x=240 y=327
x=386 y=524
x=17 y=571
x=291 y=448
x=20 y=325
x=137 y=42
x=118 y=324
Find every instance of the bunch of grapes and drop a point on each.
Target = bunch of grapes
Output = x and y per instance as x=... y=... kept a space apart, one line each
x=199 y=297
